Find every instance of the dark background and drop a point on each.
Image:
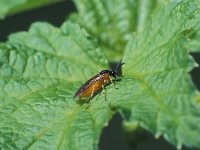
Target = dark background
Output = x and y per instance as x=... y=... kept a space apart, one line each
x=113 y=136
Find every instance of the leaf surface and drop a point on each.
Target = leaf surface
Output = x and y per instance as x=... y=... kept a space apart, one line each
x=114 y=21
x=157 y=66
x=8 y=7
x=40 y=72
x=194 y=44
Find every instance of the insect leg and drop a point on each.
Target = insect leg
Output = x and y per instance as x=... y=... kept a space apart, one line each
x=92 y=94
x=113 y=83
x=104 y=92
x=89 y=105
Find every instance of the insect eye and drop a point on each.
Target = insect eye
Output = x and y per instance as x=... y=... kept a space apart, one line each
x=113 y=73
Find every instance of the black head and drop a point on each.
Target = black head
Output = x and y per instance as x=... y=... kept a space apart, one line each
x=112 y=72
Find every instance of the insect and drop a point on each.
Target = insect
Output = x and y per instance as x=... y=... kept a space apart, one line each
x=96 y=84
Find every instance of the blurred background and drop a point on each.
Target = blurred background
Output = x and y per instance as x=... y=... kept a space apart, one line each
x=113 y=136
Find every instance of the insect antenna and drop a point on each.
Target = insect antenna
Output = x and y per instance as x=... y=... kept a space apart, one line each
x=118 y=66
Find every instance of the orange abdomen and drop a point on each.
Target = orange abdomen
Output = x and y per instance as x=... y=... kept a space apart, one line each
x=95 y=87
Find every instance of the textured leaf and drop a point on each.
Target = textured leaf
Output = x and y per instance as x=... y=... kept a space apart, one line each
x=40 y=72
x=8 y=7
x=194 y=44
x=157 y=66
x=114 y=21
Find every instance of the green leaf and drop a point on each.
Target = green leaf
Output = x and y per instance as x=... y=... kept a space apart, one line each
x=40 y=71
x=157 y=65
x=194 y=38
x=9 y=7
x=198 y=99
x=194 y=44
x=114 y=21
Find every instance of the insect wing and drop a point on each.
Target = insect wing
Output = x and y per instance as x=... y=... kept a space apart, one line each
x=86 y=85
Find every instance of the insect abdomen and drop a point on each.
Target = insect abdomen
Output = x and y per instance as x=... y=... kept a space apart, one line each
x=93 y=88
